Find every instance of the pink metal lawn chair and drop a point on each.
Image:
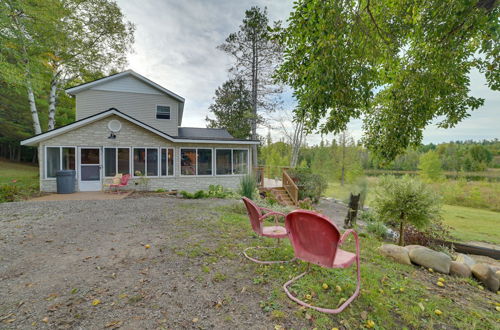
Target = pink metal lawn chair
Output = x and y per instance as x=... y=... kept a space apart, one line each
x=123 y=183
x=316 y=239
x=257 y=216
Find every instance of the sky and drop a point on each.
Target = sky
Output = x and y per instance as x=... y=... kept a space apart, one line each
x=175 y=46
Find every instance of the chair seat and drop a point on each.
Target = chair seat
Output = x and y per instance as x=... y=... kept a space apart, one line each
x=343 y=259
x=274 y=231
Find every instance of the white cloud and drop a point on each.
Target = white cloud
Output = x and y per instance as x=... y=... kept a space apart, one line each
x=176 y=47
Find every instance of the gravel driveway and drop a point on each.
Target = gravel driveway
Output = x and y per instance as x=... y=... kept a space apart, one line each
x=84 y=264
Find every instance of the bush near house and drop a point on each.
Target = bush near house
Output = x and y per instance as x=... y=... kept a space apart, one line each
x=310 y=185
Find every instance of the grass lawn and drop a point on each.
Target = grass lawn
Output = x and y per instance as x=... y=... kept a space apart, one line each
x=473 y=224
x=393 y=295
x=469 y=224
x=20 y=178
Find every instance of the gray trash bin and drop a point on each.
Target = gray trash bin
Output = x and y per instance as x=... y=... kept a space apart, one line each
x=65 y=181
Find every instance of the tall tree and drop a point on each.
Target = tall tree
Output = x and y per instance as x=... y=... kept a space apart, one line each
x=397 y=64
x=97 y=38
x=25 y=30
x=232 y=108
x=256 y=55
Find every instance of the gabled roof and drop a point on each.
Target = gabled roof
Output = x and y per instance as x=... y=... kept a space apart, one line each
x=34 y=140
x=204 y=133
x=85 y=86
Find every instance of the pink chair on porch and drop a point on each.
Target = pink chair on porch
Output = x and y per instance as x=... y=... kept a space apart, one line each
x=123 y=183
x=257 y=215
x=316 y=239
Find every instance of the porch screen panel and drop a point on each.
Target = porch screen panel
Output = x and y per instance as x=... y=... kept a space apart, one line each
x=223 y=161
x=204 y=161
x=163 y=162
x=109 y=161
x=139 y=161
x=152 y=162
x=68 y=159
x=53 y=161
x=240 y=161
x=124 y=160
x=188 y=161
x=170 y=159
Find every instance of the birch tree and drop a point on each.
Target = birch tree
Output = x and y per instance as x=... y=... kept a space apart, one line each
x=97 y=38
x=256 y=54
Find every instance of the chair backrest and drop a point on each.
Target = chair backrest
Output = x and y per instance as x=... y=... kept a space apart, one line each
x=254 y=214
x=125 y=178
x=314 y=237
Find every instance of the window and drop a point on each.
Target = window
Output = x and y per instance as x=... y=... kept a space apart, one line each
x=116 y=160
x=167 y=161
x=231 y=161
x=152 y=162
x=204 y=165
x=58 y=158
x=223 y=159
x=139 y=161
x=162 y=112
x=240 y=161
x=146 y=161
x=188 y=161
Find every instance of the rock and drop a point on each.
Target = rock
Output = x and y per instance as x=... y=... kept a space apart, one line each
x=411 y=247
x=485 y=274
x=395 y=252
x=498 y=274
x=460 y=269
x=465 y=259
x=428 y=258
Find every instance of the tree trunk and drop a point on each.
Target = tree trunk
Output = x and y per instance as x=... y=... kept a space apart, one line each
x=52 y=104
x=401 y=233
x=254 y=102
x=297 y=143
x=34 y=112
x=342 y=175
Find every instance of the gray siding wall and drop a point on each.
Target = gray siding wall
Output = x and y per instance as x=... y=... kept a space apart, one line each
x=140 y=106
x=96 y=135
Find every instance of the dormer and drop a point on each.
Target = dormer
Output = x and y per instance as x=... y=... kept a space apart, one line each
x=134 y=95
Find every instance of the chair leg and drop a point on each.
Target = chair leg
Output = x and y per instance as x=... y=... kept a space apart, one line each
x=263 y=261
x=320 y=309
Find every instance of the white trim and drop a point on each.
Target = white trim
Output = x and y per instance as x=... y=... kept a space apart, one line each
x=163 y=105
x=232 y=162
x=35 y=139
x=101 y=168
x=77 y=89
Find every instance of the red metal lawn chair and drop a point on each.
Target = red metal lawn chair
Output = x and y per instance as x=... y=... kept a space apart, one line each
x=123 y=183
x=316 y=239
x=257 y=215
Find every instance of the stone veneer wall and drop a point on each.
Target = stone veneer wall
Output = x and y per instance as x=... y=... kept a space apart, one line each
x=96 y=135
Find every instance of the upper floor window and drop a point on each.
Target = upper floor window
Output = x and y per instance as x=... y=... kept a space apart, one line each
x=162 y=112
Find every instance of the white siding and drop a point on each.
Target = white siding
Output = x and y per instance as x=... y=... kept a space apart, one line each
x=127 y=84
x=137 y=105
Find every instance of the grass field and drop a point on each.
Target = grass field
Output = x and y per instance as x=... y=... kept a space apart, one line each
x=17 y=180
x=469 y=224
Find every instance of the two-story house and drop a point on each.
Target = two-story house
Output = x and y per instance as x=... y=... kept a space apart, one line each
x=127 y=124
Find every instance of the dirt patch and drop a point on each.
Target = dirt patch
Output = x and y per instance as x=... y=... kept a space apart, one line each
x=85 y=264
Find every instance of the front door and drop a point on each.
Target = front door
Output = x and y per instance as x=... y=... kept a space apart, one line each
x=90 y=169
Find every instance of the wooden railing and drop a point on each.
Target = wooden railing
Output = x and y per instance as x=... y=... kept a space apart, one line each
x=259 y=173
x=290 y=187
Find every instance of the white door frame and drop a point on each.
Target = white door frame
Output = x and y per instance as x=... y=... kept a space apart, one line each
x=89 y=185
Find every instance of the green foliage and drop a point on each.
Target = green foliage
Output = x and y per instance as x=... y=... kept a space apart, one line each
x=430 y=167
x=9 y=193
x=305 y=204
x=405 y=201
x=411 y=61
x=197 y=195
x=310 y=185
x=377 y=228
x=232 y=108
x=214 y=191
x=275 y=156
x=248 y=186
x=361 y=187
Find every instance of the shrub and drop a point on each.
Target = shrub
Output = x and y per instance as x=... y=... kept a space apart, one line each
x=377 y=228
x=196 y=195
x=218 y=191
x=406 y=201
x=429 y=236
x=368 y=216
x=310 y=185
x=306 y=204
x=9 y=193
x=248 y=186
x=430 y=167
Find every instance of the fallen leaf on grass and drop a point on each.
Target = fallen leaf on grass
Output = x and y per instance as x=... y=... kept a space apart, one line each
x=438 y=312
x=370 y=324
x=113 y=324
x=364 y=315
x=421 y=306
x=96 y=302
